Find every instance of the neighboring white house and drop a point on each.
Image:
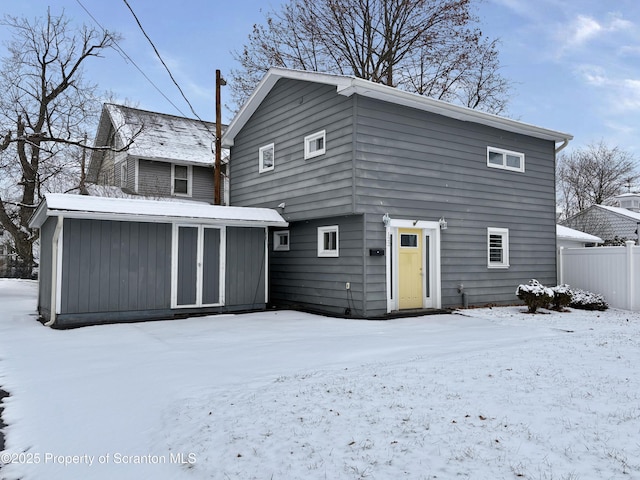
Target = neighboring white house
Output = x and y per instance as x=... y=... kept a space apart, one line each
x=570 y=238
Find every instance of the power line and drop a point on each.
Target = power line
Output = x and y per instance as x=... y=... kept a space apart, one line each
x=121 y=51
x=167 y=68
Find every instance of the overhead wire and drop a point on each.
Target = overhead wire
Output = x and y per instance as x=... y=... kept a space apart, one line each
x=167 y=68
x=122 y=53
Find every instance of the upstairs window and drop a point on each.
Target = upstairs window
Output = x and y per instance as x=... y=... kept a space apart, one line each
x=315 y=144
x=266 y=158
x=181 y=180
x=497 y=247
x=505 y=159
x=328 y=241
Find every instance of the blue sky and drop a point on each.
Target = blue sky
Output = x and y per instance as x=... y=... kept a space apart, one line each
x=574 y=64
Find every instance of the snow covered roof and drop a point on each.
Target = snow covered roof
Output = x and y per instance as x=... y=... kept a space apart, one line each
x=566 y=233
x=347 y=86
x=140 y=210
x=621 y=211
x=162 y=137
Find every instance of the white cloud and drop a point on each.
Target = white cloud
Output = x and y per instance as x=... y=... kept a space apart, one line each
x=620 y=94
x=584 y=29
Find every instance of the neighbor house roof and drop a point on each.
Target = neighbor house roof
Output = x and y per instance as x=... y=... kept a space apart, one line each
x=635 y=216
x=162 y=137
x=347 y=86
x=127 y=209
x=566 y=233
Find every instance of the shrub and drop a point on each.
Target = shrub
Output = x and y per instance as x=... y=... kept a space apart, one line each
x=534 y=295
x=587 y=300
x=562 y=296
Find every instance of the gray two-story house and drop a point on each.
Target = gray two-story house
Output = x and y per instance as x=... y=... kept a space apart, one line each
x=396 y=202
x=154 y=155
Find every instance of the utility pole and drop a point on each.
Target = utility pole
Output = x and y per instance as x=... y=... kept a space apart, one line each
x=217 y=173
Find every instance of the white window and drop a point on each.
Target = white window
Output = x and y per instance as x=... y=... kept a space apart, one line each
x=267 y=158
x=181 y=180
x=328 y=241
x=497 y=247
x=505 y=159
x=315 y=145
x=281 y=241
x=123 y=174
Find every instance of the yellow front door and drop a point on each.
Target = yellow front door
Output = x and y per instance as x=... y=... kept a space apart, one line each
x=409 y=268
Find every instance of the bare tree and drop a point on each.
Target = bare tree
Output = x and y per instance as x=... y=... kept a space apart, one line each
x=430 y=47
x=45 y=104
x=593 y=174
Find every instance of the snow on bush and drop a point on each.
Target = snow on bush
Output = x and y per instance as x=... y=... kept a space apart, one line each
x=587 y=300
x=535 y=295
x=562 y=296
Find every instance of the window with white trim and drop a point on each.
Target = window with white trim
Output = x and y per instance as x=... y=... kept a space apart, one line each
x=505 y=159
x=315 y=144
x=281 y=240
x=497 y=247
x=266 y=156
x=328 y=241
x=181 y=179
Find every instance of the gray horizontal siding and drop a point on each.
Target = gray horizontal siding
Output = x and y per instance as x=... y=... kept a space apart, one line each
x=291 y=111
x=111 y=266
x=299 y=277
x=154 y=178
x=416 y=165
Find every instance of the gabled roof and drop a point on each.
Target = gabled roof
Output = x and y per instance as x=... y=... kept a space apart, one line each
x=347 y=86
x=137 y=210
x=623 y=212
x=162 y=137
x=566 y=233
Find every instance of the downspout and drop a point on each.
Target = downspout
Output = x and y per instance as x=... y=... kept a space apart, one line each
x=54 y=271
x=563 y=146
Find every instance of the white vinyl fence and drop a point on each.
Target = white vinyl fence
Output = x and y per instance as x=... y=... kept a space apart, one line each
x=612 y=271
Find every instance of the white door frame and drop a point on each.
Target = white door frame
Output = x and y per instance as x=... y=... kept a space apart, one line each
x=428 y=228
x=199 y=263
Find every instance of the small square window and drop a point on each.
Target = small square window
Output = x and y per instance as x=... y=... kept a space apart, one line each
x=281 y=241
x=505 y=159
x=315 y=144
x=267 y=158
x=328 y=241
x=497 y=247
x=181 y=181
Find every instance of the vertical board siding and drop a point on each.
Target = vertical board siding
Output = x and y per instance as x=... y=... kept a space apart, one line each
x=245 y=259
x=291 y=111
x=187 y=265
x=211 y=266
x=46 y=267
x=421 y=166
x=300 y=278
x=111 y=266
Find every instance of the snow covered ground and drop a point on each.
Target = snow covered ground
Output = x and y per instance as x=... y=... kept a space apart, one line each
x=481 y=394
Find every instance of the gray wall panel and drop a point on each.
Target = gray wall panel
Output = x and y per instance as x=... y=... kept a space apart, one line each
x=245 y=266
x=300 y=278
x=115 y=266
x=45 y=267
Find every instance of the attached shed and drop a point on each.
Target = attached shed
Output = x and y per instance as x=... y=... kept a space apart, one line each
x=107 y=260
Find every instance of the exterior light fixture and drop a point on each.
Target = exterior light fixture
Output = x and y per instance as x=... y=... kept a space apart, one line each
x=386 y=220
x=443 y=223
